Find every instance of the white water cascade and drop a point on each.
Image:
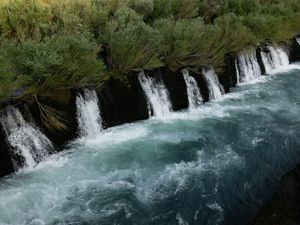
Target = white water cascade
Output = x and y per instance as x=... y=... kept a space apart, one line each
x=25 y=139
x=194 y=95
x=298 y=40
x=237 y=71
x=274 y=58
x=88 y=114
x=157 y=96
x=215 y=88
x=247 y=67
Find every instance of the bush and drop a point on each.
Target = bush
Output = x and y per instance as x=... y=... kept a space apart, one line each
x=24 y=19
x=53 y=44
x=179 y=41
x=131 y=43
x=57 y=62
x=177 y=9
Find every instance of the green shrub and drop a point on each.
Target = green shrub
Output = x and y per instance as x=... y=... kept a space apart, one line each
x=131 y=43
x=24 y=19
x=57 y=62
x=53 y=44
x=179 y=41
x=175 y=8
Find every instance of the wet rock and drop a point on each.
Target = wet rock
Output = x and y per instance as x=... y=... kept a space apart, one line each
x=284 y=207
x=295 y=49
x=228 y=76
x=6 y=163
x=176 y=86
x=122 y=102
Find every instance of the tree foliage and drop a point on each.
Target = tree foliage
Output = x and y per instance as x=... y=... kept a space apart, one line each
x=54 y=44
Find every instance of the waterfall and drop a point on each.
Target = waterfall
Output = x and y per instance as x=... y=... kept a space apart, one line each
x=247 y=67
x=25 y=139
x=298 y=40
x=157 y=96
x=193 y=91
x=88 y=114
x=215 y=88
x=274 y=58
x=237 y=72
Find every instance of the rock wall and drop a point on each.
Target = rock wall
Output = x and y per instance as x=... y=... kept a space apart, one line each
x=122 y=102
x=6 y=164
x=176 y=86
x=295 y=49
x=228 y=77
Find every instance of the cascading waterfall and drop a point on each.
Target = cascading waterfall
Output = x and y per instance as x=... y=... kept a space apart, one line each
x=215 y=88
x=175 y=171
x=274 y=58
x=247 y=67
x=298 y=40
x=193 y=91
x=157 y=95
x=237 y=72
x=88 y=114
x=25 y=139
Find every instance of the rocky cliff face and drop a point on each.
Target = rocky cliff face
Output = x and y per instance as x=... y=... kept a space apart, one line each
x=122 y=102
x=6 y=164
x=175 y=84
x=228 y=78
x=294 y=49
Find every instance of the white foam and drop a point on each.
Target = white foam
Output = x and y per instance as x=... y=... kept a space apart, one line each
x=193 y=92
x=25 y=139
x=275 y=58
x=88 y=114
x=157 y=96
x=247 y=67
x=215 y=88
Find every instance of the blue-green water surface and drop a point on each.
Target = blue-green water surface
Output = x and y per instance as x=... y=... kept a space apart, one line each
x=217 y=165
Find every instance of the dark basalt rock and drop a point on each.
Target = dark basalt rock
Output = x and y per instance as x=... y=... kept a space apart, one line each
x=176 y=86
x=284 y=207
x=228 y=78
x=295 y=49
x=63 y=102
x=122 y=102
x=202 y=84
x=6 y=164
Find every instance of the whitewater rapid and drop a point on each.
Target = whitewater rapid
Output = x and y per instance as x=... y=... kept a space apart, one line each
x=199 y=167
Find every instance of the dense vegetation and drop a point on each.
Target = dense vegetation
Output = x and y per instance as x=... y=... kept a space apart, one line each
x=54 y=44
